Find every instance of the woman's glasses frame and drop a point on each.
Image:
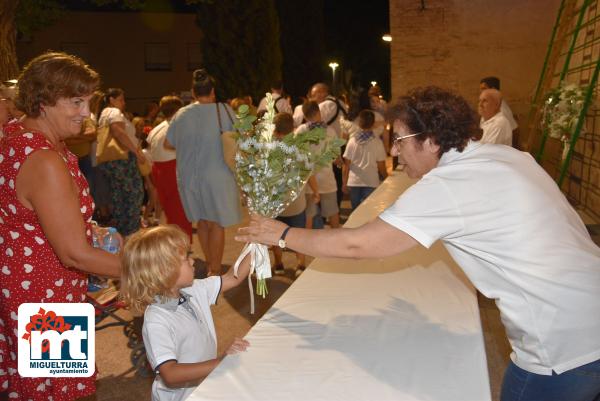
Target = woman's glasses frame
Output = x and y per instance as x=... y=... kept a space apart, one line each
x=397 y=139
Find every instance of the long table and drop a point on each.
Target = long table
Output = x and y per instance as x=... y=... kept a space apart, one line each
x=400 y=328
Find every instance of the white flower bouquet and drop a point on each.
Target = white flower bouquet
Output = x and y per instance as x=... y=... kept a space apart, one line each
x=271 y=174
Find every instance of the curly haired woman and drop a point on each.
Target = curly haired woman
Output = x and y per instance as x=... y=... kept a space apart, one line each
x=506 y=224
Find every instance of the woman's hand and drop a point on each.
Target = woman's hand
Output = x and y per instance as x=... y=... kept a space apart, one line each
x=99 y=232
x=261 y=230
x=239 y=345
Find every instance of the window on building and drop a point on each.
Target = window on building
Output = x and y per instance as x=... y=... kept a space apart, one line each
x=194 y=56
x=157 y=57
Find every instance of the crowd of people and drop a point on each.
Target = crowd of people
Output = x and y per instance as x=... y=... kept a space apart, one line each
x=125 y=171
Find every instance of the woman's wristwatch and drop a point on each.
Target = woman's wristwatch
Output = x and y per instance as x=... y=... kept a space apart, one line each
x=282 y=244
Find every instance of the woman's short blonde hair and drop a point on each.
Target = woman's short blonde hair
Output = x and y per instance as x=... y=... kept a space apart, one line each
x=151 y=260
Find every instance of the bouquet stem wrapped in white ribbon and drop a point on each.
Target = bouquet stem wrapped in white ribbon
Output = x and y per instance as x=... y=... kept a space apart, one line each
x=271 y=174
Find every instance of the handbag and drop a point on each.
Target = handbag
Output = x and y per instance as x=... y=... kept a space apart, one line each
x=229 y=141
x=145 y=167
x=109 y=148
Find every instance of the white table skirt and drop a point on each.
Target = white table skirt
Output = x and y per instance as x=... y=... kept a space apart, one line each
x=399 y=328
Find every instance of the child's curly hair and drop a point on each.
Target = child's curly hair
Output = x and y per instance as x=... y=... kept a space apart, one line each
x=439 y=114
x=151 y=259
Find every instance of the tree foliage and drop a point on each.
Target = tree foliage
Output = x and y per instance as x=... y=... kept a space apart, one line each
x=302 y=44
x=240 y=45
x=8 y=39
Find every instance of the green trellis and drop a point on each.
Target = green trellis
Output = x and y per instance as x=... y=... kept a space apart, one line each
x=573 y=56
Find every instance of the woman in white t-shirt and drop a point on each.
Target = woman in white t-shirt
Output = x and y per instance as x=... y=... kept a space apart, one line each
x=506 y=224
x=126 y=185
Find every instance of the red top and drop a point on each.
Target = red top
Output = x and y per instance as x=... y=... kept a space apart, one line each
x=31 y=270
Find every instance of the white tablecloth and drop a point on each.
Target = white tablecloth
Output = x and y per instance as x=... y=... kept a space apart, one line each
x=400 y=328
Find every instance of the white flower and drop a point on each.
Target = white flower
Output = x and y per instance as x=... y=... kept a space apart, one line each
x=267 y=132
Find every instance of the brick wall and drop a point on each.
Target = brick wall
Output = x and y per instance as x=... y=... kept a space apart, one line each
x=454 y=43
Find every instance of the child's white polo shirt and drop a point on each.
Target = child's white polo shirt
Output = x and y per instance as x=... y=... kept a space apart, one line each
x=363 y=162
x=182 y=330
x=512 y=231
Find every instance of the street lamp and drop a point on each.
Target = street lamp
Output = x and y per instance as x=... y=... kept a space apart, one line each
x=373 y=83
x=333 y=65
x=387 y=37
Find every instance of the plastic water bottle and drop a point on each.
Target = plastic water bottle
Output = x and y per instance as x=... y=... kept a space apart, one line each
x=110 y=242
x=107 y=239
x=95 y=241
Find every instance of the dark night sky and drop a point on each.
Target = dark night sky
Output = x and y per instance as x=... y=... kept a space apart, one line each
x=353 y=37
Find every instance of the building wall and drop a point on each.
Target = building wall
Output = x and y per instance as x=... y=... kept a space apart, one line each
x=454 y=43
x=117 y=44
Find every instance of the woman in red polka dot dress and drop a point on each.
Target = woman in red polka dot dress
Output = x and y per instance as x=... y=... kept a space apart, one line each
x=45 y=214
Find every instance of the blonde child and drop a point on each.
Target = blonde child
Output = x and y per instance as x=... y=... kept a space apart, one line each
x=178 y=331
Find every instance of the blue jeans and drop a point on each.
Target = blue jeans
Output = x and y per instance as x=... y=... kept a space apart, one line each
x=579 y=384
x=359 y=194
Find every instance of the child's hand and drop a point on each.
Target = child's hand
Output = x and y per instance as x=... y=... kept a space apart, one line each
x=239 y=345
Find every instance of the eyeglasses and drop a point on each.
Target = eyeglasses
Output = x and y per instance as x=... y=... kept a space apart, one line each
x=398 y=139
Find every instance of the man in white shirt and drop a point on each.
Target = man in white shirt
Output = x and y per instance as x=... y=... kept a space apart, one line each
x=495 y=126
x=494 y=83
x=507 y=225
x=282 y=105
x=332 y=110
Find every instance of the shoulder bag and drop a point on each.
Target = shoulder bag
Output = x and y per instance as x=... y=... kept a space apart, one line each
x=109 y=148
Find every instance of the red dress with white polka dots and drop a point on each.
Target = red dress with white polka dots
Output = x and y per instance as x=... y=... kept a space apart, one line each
x=30 y=270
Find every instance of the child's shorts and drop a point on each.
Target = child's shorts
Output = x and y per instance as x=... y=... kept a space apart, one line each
x=328 y=205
